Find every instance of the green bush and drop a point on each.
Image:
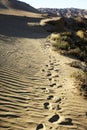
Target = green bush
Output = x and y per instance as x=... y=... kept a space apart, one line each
x=63 y=45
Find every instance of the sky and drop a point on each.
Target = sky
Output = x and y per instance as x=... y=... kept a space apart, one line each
x=57 y=3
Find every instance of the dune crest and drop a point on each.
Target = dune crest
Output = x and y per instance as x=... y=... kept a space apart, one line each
x=17 y=5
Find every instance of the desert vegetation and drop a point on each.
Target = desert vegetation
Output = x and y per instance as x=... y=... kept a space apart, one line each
x=73 y=44
x=69 y=43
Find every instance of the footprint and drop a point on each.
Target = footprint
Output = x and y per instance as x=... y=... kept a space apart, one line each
x=40 y=127
x=49 y=60
x=51 y=68
x=54 y=118
x=52 y=85
x=51 y=128
x=58 y=100
x=43 y=70
x=60 y=86
x=56 y=70
x=58 y=107
x=45 y=90
x=68 y=121
x=50 y=79
x=47 y=105
x=50 y=97
x=55 y=76
x=52 y=64
x=55 y=80
x=49 y=74
x=46 y=65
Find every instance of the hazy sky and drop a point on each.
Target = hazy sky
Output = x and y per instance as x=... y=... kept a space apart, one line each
x=58 y=3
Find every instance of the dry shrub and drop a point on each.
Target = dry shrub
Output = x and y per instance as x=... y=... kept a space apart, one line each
x=74 y=44
x=80 y=34
x=66 y=34
x=81 y=77
x=62 y=45
x=75 y=52
x=59 y=44
x=55 y=36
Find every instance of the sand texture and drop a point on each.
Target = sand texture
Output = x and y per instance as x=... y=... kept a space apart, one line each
x=37 y=91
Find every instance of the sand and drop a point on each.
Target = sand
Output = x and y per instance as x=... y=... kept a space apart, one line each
x=37 y=91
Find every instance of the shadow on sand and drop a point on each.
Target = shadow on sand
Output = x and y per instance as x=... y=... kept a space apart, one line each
x=17 y=26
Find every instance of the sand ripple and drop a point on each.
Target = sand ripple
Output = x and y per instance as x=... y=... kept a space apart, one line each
x=41 y=100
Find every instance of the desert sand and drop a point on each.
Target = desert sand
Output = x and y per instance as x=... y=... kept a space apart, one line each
x=37 y=91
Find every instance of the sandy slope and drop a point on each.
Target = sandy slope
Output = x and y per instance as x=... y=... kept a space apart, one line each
x=17 y=5
x=36 y=90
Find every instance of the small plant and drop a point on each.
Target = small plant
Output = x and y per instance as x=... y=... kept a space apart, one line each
x=63 y=45
x=55 y=36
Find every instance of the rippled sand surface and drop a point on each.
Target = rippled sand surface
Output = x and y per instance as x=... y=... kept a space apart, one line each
x=36 y=89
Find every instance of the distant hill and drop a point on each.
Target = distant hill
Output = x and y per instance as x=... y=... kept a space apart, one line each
x=17 y=5
x=66 y=12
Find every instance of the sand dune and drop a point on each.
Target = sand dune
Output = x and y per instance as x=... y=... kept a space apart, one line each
x=20 y=26
x=17 y=5
x=18 y=8
x=37 y=91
